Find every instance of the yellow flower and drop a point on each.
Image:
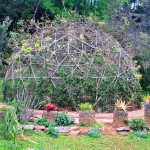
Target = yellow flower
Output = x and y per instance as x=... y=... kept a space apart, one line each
x=101 y=23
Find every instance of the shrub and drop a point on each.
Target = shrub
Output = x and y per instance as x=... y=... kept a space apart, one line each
x=52 y=132
x=44 y=122
x=93 y=133
x=86 y=106
x=138 y=124
x=64 y=120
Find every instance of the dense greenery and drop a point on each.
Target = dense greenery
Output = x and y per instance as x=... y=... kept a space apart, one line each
x=35 y=9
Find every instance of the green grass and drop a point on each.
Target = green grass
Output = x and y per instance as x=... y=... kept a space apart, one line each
x=1 y=87
x=107 y=142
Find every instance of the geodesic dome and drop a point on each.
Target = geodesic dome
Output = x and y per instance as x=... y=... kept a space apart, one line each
x=74 y=48
x=70 y=49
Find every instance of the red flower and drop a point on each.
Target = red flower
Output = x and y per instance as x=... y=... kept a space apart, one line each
x=50 y=107
x=139 y=124
x=63 y=109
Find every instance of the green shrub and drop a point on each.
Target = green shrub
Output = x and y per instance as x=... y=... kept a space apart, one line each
x=44 y=122
x=138 y=124
x=93 y=133
x=85 y=106
x=64 y=120
x=52 y=132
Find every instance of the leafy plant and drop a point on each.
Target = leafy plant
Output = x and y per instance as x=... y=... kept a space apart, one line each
x=8 y=126
x=64 y=120
x=52 y=132
x=86 y=106
x=121 y=105
x=138 y=124
x=94 y=133
x=44 y=122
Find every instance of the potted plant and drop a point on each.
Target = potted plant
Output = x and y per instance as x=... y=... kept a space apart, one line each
x=147 y=109
x=50 y=113
x=120 y=113
x=86 y=114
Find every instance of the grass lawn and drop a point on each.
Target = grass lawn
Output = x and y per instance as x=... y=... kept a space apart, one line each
x=107 y=142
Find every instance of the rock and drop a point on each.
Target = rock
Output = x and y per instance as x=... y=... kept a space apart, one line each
x=32 y=119
x=118 y=118
x=62 y=129
x=46 y=129
x=74 y=128
x=83 y=130
x=40 y=131
x=76 y=121
x=87 y=117
x=40 y=128
x=123 y=129
x=74 y=133
x=50 y=115
x=28 y=127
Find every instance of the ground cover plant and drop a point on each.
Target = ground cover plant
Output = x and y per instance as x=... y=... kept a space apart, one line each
x=43 y=141
x=99 y=125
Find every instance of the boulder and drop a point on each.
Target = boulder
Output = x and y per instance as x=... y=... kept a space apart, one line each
x=42 y=128
x=62 y=129
x=123 y=129
x=28 y=127
x=74 y=133
x=74 y=128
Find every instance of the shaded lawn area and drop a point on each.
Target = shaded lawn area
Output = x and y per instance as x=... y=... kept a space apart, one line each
x=107 y=142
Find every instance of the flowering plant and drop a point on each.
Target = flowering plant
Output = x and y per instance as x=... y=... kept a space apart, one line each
x=50 y=107
x=121 y=105
x=138 y=124
x=147 y=98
